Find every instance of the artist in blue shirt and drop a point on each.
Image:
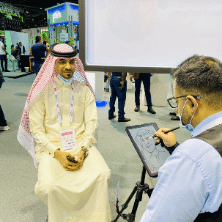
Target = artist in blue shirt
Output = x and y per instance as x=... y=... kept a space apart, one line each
x=189 y=184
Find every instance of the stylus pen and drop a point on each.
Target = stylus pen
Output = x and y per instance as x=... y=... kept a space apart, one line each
x=171 y=130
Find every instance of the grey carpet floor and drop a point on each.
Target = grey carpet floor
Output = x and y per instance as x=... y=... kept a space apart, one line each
x=18 y=174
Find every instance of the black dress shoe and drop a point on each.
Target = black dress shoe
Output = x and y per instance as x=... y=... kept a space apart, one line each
x=112 y=117
x=7 y=71
x=124 y=120
x=150 y=110
x=172 y=113
x=137 y=109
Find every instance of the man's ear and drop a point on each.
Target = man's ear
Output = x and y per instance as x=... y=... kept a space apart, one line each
x=193 y=102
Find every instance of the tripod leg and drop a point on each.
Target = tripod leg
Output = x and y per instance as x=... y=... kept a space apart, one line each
x=125 y=205
x=135 y=205
x=139 y=194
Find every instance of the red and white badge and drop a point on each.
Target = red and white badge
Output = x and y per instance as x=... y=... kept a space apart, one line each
x=68 y=139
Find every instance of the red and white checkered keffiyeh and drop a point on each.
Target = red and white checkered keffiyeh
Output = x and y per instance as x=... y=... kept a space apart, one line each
x=45 y=74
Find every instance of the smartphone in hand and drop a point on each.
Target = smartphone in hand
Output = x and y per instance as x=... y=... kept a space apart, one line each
x=72 y=159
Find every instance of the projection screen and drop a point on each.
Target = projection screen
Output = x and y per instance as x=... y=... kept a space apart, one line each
x=147 y=35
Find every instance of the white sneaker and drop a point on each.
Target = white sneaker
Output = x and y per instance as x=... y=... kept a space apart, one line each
x=4 y=128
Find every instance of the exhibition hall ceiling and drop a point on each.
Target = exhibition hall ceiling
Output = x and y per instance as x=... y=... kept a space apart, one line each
x=34 y=13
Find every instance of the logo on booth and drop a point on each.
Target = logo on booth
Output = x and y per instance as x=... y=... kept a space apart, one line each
x=56 y=15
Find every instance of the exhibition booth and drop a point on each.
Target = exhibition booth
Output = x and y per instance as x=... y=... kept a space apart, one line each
x=63 y=22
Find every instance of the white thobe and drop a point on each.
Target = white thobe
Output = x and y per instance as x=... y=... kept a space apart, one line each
x=80 y=195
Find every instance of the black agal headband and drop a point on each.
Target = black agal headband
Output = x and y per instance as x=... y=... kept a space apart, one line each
x=62 y=54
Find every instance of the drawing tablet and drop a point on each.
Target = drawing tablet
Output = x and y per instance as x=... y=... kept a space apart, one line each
x=153 y=156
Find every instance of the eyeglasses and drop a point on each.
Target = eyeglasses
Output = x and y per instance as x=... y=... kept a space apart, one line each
x=173 y=100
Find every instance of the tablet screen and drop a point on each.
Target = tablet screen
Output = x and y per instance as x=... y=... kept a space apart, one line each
x=153 y=156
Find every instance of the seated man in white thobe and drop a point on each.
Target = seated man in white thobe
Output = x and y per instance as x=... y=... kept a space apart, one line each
x=61 y=115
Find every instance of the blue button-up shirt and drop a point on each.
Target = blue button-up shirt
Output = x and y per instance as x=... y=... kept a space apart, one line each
x=190 y=181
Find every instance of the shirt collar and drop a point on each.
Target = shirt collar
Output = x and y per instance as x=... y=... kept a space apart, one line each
x=207 y=123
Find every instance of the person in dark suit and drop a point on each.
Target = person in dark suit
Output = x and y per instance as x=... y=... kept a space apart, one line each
x=118 y=87
x=145 y=77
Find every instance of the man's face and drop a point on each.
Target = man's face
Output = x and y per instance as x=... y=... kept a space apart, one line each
x=65 y=67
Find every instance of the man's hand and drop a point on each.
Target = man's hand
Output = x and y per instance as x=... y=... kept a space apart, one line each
x=151 y=74
x=169 y=139
x=61 y=156
x=122 y=85
x=80 y=156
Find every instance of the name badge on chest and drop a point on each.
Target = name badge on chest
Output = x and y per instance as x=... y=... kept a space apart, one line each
x=68 y=139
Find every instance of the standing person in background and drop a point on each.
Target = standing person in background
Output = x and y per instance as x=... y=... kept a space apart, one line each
x=19 y=45
x=23 y=49
x=12 y=48
x=15 y=53
x=3 y=122
x=3 y=54
x=38 y=51
x=145 y=77
x=118 y=86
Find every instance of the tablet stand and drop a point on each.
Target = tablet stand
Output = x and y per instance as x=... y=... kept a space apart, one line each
x=138 y=189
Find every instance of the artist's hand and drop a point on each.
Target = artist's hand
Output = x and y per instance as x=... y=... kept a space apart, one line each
x=122 y=85
x=151 y=74
x=61 y=156
x=168 y=139
x=108 y=80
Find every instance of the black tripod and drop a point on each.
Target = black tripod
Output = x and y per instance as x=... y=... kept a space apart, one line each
x=138 y=189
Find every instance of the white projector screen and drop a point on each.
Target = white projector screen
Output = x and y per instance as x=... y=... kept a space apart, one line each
x=148 y=35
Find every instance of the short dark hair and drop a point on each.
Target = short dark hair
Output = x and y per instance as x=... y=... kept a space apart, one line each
x=38 y=38
x=202 y=75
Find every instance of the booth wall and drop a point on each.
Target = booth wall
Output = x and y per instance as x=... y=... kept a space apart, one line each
x=12 y=38
x=32 y=33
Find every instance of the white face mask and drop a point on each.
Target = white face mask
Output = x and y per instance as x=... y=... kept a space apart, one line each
x=188 y=126
x=65 y=80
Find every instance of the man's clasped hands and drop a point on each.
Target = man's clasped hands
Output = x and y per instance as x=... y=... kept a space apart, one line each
x=72 y=164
